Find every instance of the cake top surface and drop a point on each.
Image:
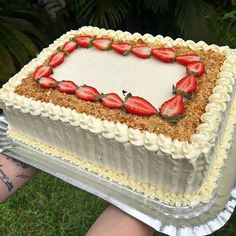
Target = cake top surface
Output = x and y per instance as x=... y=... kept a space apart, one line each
x=108 y=72
x=148 y=78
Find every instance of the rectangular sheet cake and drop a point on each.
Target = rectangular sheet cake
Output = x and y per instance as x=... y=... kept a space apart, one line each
x=147 y=112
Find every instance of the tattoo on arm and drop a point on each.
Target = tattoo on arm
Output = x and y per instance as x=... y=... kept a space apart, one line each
x=5 y=180
x=23 y=176
x=19 y=163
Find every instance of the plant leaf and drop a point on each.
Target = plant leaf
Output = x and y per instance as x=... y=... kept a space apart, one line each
x=28 y=28
x=155 y=5
x=7 y=67
x=192 y=19
x=15 y=47
x=102 y=13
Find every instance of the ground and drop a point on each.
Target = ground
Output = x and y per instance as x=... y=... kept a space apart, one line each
x=47 y=206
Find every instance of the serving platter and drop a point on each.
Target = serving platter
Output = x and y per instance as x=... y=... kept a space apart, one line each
x=203 y=219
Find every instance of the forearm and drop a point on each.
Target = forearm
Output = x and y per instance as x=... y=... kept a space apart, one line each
x=115 y=222
x=13 y=174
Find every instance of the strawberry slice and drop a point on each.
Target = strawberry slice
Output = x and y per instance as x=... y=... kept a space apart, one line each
x=172 y=110
x=67 y=87
x=139 y=106
x=47 y=82
x=69 y=47
x=121 y=48
x=56 y=59
x=84 y=41
x=195 y=68
x=87 y=93
x=164 y=54
x=111 y=100
x=186 y=86
x=42 y=71
x=102 y=43
x=142 y=51
x=187 y=59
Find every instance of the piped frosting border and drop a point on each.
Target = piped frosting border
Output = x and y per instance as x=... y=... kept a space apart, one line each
x=200 y=142
x=204 y=194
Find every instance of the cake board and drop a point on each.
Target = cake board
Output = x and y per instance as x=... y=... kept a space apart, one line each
x=202 y=219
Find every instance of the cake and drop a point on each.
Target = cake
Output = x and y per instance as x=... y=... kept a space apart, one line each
x=150 y=113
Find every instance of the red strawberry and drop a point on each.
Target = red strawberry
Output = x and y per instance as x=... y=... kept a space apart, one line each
x=187 y=59
x=195 y=68
x=121 y=48
x=87 y=93
x=84 y=41
x=69 y=47
x=141 y=51
x=111 y=100
x=172 y=109
x=42 y=71
x=186 y=86
x=102 y=43
x=56 y=59
x=164 y=54
x=67 y=87
x=47 y=82
x=139 y=106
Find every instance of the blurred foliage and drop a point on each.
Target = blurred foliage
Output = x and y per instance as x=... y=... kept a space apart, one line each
x=28 y=26
x=225 y=23
x=20 y=35
x=105 y=13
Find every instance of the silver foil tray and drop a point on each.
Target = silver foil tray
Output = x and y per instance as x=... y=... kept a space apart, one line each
x=180 y=221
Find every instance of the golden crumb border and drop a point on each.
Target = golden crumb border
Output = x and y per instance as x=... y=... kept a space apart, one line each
x=154 y=124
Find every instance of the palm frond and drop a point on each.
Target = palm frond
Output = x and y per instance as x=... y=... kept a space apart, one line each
x=102 y=13
x=192 y=19
x=7 y=67
x=22 y=34
x=155 y=5
x=10 y=38
x=53 y=6
x=27 y=27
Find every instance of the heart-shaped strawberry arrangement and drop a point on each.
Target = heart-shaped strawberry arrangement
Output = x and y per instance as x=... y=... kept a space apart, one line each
x=171 y=110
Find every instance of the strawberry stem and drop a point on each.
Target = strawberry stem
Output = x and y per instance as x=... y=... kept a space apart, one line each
x=124 y=92
x=173 y=120
x=100 y=96
x=127 y=95
x=91 y=41
x=53 y=85
x=59 y=49
x=189 y=96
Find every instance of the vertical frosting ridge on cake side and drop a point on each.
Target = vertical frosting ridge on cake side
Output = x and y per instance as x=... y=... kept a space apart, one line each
x=204 y=194
x=201 y=142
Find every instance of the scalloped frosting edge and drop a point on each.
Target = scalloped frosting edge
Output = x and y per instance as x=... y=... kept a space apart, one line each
x=204 y=194
x=200 y=142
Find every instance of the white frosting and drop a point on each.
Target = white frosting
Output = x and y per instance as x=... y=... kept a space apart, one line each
x=108 y=72
x=108 y=129
x=128 y=158
x=200 y=142
x=121 y=132
x=192 y=198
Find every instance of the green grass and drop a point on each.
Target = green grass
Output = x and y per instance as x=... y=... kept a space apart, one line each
x=48 y=206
